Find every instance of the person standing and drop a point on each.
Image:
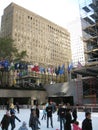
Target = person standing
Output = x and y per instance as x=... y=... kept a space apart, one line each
x=12 y=108
x=49 y=111
x=44 y=113
x=38 y=114
x=37 y=111
x=74 y=114
x=5 y=121
x=12 y=120
x=67 y=125
x=17 y=107
x=33 y=121
x=87 y=122
x=62 y=113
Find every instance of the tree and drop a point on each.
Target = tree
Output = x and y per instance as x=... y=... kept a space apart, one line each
x=9 y=51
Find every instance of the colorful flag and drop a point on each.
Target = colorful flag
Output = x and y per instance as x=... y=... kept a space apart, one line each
x=42 y=70
x=62 y=70
x=79 y=65
x=70 y=66
x=57 y=70
x=17 y=66
x=49 y=70
x=12 y=67
x=35 y=68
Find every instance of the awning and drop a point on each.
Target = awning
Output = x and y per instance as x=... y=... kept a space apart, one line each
x=87 y=71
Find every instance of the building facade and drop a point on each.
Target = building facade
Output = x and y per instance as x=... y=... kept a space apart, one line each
x=45 y=42
x=77 y=45
x=89 y=21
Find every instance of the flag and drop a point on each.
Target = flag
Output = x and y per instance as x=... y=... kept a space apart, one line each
x=6 y=64
x=42 y=70
x=17 y=66
x=12 y=66
x=49 y=71
x=79 y=65
x=35 y=68
x=57 y=70
x=70 y=66
x=62 y=70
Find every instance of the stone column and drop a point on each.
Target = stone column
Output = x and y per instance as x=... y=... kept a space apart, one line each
x=32 y=101
x=11 y=100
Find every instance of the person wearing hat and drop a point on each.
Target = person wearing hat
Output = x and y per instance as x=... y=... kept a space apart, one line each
x=23 y=127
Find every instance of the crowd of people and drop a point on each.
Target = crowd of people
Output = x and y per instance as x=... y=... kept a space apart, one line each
x=66 y=117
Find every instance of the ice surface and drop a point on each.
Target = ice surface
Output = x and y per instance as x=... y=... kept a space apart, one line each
x=25 y=114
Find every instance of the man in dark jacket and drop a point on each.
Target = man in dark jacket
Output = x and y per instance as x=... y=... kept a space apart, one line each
x=67 y=125
x=62 y=113
x=87 y=122
x=33 y=120
x=38 y=114
x=5 y=121
x=37 y=111
x=12 y=120
x=74 y=113
x=49 y=111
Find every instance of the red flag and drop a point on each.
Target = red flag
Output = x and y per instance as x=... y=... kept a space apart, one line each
x=35 y=68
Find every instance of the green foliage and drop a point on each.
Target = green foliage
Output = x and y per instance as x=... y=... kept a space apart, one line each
x=20 y=55
x=9 y=51
x=6 y=48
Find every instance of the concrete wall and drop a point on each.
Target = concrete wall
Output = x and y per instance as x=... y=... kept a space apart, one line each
x=72 y=88
x=34 y=94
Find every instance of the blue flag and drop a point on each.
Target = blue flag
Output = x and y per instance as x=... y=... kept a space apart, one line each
x=62 y=70
x=70 y=66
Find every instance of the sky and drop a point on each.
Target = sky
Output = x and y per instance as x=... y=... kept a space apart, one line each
x=60 y=12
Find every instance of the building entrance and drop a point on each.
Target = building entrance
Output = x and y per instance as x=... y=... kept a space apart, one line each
x=21 y=100
x=59 y=100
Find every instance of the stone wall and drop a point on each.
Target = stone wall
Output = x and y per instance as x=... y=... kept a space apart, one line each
x=72 y=88
x=33 y=94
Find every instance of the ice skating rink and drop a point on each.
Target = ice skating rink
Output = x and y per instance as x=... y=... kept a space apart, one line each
x=25 y=114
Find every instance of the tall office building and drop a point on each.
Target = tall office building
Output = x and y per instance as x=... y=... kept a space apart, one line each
x=46 y=43
x=77 y=45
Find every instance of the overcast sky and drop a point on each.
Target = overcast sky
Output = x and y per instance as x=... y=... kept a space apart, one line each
x=60 y=12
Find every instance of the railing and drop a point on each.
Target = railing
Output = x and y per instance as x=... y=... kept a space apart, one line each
x=90 y=108
x=10 y=80
x=84 y=108
x=93 y=60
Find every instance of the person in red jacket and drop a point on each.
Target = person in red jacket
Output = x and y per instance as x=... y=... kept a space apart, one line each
x=76 y=126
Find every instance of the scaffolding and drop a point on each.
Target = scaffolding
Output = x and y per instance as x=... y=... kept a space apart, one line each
x=89 y=22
